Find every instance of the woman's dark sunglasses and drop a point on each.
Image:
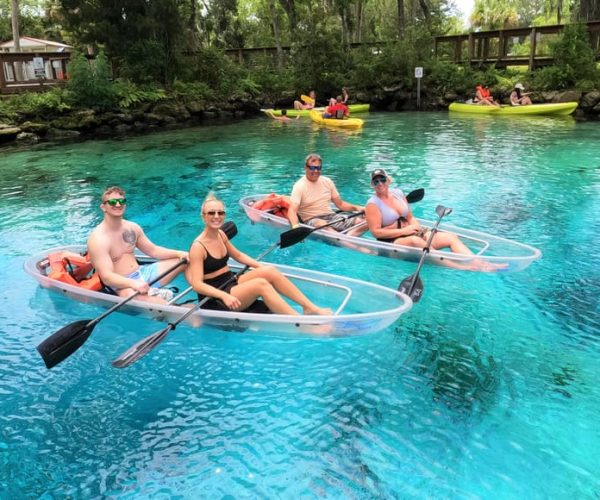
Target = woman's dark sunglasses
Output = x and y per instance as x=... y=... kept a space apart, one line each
x=212 y=213
x=314 y=168
x=113 y=201
x=379 y=180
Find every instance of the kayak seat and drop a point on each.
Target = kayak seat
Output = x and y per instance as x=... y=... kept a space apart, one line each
x=339 y=114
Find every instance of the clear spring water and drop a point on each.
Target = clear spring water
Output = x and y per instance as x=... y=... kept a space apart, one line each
x=488 y=388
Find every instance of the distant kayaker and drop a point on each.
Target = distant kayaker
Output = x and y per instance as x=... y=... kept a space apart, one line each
x=283 y=118
x=345 y=97
x=484 y=97
x=338 y=110
x=111 y=247
x=309 y=103
x=518 y=97
x=210 y=276
x=311 y=198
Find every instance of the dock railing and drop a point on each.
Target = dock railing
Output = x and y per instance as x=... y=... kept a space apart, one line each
x=31 y=71
x=528 y=46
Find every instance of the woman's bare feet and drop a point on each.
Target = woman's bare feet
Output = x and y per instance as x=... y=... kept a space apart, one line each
x=320 y=311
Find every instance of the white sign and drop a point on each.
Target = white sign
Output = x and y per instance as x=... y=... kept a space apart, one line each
x=38 y=67
x=418 y=72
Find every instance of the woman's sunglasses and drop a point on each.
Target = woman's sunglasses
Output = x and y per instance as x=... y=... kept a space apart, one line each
x=379 y=180
x=212 y=213
x=113 y=201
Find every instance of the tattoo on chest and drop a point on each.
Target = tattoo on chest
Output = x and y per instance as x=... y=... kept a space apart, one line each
x=129 y=237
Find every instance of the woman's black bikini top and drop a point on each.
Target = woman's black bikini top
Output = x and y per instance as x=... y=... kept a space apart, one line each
x=212 y=264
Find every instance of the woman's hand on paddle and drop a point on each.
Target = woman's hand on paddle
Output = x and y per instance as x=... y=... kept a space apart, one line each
x=231 y=301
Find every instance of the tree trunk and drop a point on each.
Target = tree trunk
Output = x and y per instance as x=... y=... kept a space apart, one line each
x=15 y=26
x=192 y=29
x=401 y=18
x=425 y=9
x=276 y=33
x=359 y=22
x=290 y=9
x=558 y=11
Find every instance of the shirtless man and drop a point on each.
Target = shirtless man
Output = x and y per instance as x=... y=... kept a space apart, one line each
x=311 y=198
x=112 y=243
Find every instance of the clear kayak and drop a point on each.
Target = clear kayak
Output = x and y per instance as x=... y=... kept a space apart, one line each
x=358 y=307
x=554 y=108
x=354 y=108
x=491 y=253
x=348 y=123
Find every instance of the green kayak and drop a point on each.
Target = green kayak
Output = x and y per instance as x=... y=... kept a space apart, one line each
x=354 y=108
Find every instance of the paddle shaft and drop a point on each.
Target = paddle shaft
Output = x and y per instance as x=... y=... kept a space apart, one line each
x=426 y=250
x=144 y=346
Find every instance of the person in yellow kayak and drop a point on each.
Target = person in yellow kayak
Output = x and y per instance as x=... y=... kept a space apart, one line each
x=518 y=97
x=484 y=97
x=283 y=118
x=338 y=110
x=305 y=103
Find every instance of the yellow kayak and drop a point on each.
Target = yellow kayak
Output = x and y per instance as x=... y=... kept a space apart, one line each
x=553 y=108
x=351 y=123
x=354 y=108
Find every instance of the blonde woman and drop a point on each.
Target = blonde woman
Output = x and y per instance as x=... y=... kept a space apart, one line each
x=210 y=276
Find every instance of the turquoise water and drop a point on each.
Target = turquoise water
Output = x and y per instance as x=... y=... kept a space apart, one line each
x=488 y=388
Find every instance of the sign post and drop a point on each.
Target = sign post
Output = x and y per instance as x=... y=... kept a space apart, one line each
x=418 y=76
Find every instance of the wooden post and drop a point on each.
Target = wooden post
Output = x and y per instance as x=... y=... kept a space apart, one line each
x=501 y=45
x=533 y=42
x=457 y=50
x=471 y=49
x=2 y=79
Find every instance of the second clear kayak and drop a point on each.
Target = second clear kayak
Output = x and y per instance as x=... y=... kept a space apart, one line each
x=490 y=253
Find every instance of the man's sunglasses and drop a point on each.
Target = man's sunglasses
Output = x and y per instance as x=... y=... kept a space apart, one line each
x=212 y=213
x=379 y=180
x=314 y=168
x=113 y=201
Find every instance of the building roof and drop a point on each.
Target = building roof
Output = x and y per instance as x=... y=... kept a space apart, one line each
x=27 y=42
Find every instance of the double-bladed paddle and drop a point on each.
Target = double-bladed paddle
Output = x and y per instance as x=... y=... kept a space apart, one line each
x=299 y=233
x=61 y=344
x=144 y=346
x=412 y=285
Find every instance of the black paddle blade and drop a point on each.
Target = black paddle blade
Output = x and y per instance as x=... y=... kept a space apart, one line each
x=64 y=342
x=142 y=348
x=416 y=195
x=294 y=236
x=230 y=229
x=417 y=290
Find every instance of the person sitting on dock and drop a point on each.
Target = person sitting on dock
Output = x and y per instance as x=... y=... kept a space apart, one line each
x=309 y=103
x=339 y=110
x=283 y=118
x=111 y=247
x=210 y=275
x=484 y=97
x=311 y=198
x=518 y=97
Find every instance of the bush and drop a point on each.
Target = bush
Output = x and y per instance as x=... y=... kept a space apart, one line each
x=55 y=100
x=129 y=94
x=89 y=82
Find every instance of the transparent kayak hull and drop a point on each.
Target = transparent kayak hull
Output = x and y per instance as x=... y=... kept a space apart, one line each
x=554 y=108
x=353 y=314
x=491 y=253
x=354 y=108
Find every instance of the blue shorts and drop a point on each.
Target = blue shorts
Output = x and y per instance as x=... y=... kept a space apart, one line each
x=147 y=272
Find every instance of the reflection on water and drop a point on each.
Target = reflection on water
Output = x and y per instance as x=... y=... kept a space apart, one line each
x=466 y=396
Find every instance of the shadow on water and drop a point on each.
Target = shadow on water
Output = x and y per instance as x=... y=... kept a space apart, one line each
x=462 y=377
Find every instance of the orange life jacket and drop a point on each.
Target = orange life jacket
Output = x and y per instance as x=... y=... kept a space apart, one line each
x=275 y=204
x=483 y=91
x=74 y=269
